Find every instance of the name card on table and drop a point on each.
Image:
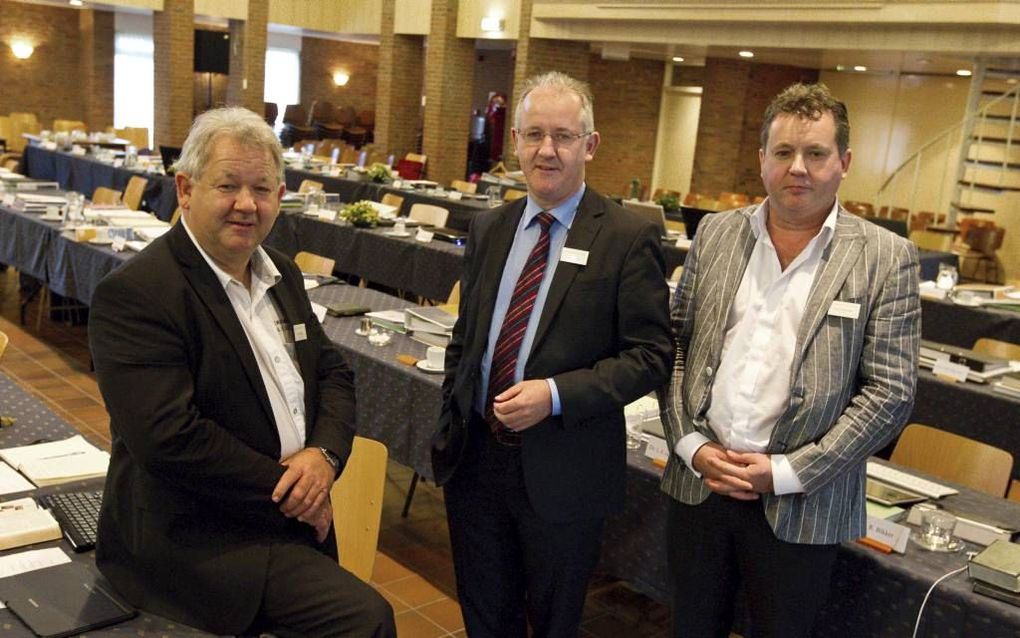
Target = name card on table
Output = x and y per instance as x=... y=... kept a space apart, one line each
x=26 y=186
x=888 y=533
x=946 y=369
x=656 y=448
x=327 y=215
x=118 y=162
x=119 y=243
x=397 y=183
x=334 y=171
x=455 y=195
x=424 y=236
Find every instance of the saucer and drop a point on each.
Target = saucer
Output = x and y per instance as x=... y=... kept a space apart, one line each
x=396 y=234
x=423 y=365
x=99 y=241
x=954 y=545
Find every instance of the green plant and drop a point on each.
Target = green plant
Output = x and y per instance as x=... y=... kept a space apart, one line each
x=379 y=173
x=361 y=214
x=669 y=201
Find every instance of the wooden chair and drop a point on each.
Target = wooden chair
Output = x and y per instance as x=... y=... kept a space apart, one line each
x=134 y=191
x=410 y=169
x=983 y=243
x=310 y=185
x=105 y=196
x=930 y=240
x=349 y=155
x=678 y=272
x=314 y=264
x=357 y=498
x=513 y=194
x=464 y=187
x=6 y=130
x=10 y=161
x=3 y=343
x=429 y=215
x=392 y=199
x=1014 y=491
x=955 y=458
x=66 y=126
x=996 y=348
x=416 y=157
x=137 y=135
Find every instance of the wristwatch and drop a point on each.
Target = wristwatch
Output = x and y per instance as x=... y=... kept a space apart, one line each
x=333 y=460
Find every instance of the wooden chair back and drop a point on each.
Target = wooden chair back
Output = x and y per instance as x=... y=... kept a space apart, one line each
x=410 y=169
x=930 y=240
x=134 y=191
x=464 y=187
x=357 y=498
x=996 y=348
x=3 y=343
x=176 y=216
x=314 y=264
x=137 y=135
x=416 y=157
x=66 y=126
x=513 y=194
x=454 y=297
x=349 y=155
x=105 y=196
x=392 y=199
x=429 y=215
x=956 y=458
x=309 y=185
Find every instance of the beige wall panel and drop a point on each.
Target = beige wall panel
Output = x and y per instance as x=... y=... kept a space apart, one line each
x=469 y=18
x=413 y=17
x=236 y=9
x=337 y=16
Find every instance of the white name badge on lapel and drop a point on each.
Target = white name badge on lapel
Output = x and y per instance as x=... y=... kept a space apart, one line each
x=574 y=256
x=300 y=333
x=845 y=309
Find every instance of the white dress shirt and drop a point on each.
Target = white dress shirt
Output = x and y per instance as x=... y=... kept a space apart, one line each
x=271 y=341
x=752 y=388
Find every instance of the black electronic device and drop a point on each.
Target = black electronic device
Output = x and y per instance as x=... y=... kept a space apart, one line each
x=346 y=310
x=886 y=494
x=169 y=155
x=78 y=515
x=212 y=51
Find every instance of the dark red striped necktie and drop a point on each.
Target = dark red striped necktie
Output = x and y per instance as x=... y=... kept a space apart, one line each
x=515 y=323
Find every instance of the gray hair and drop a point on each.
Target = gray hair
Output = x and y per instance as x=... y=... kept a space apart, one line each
x=560 y=82
x=237 y=123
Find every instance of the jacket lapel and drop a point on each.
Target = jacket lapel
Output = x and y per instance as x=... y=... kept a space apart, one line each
x=496 y=249
x=209 y=290
x=732 y=274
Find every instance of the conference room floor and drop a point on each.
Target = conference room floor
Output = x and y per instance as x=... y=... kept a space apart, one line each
x=413 y=569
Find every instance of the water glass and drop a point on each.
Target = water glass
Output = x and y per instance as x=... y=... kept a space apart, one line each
x=75 y=212
x=494 y=197
x=634 y=422
x=937 y=529
x=947 y=277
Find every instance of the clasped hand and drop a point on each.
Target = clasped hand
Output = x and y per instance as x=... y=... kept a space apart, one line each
x=740 y=475
x=303 y=490
x=523 y=405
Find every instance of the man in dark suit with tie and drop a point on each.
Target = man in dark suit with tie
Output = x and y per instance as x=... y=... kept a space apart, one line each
x=563 y=321
x=231 y=412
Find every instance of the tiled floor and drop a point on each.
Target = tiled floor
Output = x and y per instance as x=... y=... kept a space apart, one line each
x=413 y=569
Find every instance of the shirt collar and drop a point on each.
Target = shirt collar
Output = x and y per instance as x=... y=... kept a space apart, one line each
x=760 y=215
x=564 y=213
x=262 y=267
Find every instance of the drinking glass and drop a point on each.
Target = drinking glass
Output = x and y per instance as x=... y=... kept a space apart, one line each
x=634 y=422
x=947 y=277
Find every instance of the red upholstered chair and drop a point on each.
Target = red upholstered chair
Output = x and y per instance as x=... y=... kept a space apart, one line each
x=409 y=169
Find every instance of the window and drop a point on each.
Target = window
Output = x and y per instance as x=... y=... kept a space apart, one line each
x=133 y=73
x=283 y=79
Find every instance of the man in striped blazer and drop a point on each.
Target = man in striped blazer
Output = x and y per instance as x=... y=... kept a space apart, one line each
x=809 y=318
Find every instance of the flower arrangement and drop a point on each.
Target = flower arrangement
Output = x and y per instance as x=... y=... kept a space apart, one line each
x=379 y=173
x=669 y=201
x=361 y=214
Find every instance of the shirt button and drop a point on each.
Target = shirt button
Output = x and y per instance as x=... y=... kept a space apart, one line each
x=708 y=371
x=295 y=411
x=276 y=359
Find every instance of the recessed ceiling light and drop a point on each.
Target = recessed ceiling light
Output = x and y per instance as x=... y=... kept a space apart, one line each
x=860 y=67
x=677 y=58
x=75 y=3
x=746 y=54
x=964 y=73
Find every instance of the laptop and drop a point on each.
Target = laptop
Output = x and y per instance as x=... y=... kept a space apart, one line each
x=653 y=213
x=169 y=154
x=692 y=217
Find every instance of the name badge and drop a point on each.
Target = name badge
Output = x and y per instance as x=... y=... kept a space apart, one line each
x=574 y=256
x=423 y=236
x=845 y=309
x=327 y=215
x=300 y=333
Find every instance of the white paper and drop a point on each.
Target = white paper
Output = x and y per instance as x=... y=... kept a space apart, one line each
x=14 y=564
x=311 y=283
x=327 y=215
x=424 y=236
x=11 y=481
x=955 y=371
x=455 y=195
x=320 y=311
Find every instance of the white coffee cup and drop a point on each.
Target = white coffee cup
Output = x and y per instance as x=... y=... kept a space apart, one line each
x=102 y=234
x=435 y=356
x=399 y=227
x=53 y=211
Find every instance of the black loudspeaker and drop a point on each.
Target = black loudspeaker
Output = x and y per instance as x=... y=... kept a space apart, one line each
x=212 y=52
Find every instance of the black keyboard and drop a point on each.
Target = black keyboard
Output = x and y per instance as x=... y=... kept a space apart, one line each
x=77 y=513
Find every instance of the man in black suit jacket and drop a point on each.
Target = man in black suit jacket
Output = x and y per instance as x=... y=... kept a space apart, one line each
x=533 y=464
x=231 y=412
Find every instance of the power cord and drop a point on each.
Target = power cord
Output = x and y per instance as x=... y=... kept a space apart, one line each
x=924 y=602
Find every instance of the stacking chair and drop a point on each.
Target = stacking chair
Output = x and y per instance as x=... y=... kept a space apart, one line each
x=66 y=126
x=366 y=120
x=416 y=157
x=270 y=112
x=3 y=343
x=6 y=130
x=996 y=348
x=512 y=194
x=983 y=243
x=931 y=240
x=429 y=215
x=137 y=135
x=464 y=187
x=310 y=185
x=678 y=272
x=134 y=191
x=955 y=458
x=357 y=498
x=10 y=161
x=105 y=196
x=21 y=123
x=295 y=125
x=391 y=199
x=314 y=264
x=410 y=169
x=349 y=155
x=324 y=121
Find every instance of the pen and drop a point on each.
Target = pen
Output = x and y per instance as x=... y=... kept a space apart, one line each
x=873 y=544
x=59 y=456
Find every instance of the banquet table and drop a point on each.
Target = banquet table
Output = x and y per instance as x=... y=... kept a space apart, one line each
x=958 y=325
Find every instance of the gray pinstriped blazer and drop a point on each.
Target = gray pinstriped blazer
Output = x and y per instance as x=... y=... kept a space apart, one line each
x=851 y=383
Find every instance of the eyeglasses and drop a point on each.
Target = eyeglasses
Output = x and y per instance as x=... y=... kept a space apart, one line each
x=535 y=137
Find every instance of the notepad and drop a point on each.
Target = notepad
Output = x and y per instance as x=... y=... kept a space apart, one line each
x=72 y=459
x=23 y=522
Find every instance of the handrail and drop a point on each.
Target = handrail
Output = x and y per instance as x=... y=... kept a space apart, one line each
x=982 y=112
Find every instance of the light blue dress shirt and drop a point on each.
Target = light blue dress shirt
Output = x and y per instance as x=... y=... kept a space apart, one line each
x=525 y=238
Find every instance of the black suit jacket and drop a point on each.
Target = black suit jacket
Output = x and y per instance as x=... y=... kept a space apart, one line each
x=186 y=513
x=603 y=337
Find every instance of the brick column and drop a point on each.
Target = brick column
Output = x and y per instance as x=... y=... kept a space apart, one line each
x=535 y=56
x=449 y=82
x=173 y=36
x=245 y=87
x=399 y=88
x=96 y=67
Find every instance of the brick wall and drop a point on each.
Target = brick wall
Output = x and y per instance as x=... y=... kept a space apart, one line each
x=494 y=71
x=173 y=36
x=248 y=58
x=49 y=83
x=210 y=90
x=627 y=99
x=96 y=67
x=320 y=58
x=448 y=95
x=398 y=114
x=732 y=104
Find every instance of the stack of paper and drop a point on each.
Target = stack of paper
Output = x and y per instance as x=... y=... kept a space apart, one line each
x=392 y=320
x=23 y=522
x=72 y=459
x=430 y=325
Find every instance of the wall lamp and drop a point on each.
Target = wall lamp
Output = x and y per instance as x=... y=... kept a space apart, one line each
x=22 y=49
x=341 y=78
x=492 y=24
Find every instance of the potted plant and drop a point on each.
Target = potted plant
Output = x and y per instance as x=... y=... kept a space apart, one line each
x=668 y=201
x=379 y=173
x=361 y=214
